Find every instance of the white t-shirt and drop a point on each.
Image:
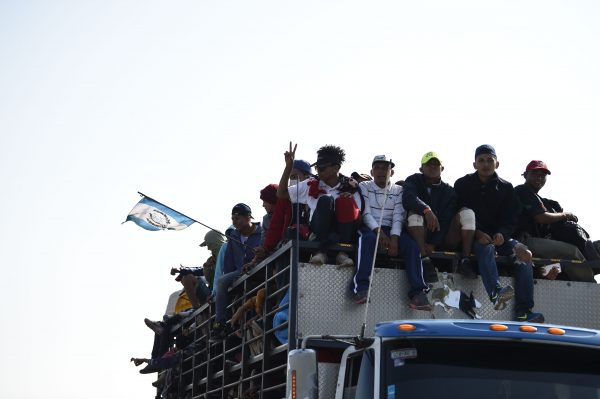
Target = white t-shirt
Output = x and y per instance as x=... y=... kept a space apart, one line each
x=299 y=193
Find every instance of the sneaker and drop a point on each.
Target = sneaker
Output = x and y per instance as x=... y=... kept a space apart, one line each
x=318 y=259
x=522 y=253
x=218 y=332
x=160 y=381
x=502 y=296
x=466 y=269
x=360 y=297
x=154 y=326
x=342 y=259
x=150 y=368
x=429 y=273
x=530 y=317
x=420 y=302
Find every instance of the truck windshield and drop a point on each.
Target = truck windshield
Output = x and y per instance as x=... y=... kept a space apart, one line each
x=491 y=369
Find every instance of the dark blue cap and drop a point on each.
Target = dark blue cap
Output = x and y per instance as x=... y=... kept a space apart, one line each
x=242 y=210
x=303 y=166
x=485 y=149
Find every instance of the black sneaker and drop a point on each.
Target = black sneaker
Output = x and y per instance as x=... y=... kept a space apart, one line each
x=530 y=317
x=150 y=368
x=420 y=302
x=218 y=332
x=466 y=269
x=429 y=273
x=502 y=296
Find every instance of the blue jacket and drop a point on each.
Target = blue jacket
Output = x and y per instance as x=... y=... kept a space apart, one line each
x=440 y=198
x=494 y=203
x=236 y=254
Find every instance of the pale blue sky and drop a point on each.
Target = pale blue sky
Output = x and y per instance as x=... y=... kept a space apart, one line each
x=194 y=103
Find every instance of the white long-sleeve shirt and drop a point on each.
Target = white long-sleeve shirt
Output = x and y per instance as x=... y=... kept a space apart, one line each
x=393 y=211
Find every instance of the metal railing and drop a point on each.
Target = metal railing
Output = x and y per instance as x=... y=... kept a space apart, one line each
x=218 y=369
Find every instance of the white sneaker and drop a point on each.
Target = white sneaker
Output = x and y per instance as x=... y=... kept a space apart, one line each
x=318 y=259
x=342 y=259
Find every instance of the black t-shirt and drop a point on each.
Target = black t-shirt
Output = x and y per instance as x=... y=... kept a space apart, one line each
x=531 y=205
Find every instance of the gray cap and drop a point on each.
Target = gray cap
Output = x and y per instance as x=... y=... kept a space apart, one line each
x=212 y=237
x=382 y=158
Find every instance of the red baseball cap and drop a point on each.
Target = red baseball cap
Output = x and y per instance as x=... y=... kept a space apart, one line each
x=537 y=165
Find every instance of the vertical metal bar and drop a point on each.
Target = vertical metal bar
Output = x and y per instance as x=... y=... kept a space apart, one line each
x=293 y=306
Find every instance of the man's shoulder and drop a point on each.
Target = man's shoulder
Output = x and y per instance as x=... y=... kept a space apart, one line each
x=367 y=186
x=504 y=182
x=468 y=178
x=523 y=189
x=364 y=184
x=414 y=178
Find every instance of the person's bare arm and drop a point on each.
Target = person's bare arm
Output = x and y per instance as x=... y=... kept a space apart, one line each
x=282 y=190
x=549 y=218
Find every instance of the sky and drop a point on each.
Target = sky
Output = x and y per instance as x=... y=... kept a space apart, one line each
x=194 y=103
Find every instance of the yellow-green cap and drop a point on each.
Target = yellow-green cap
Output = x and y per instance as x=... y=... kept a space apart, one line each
x=429 y=156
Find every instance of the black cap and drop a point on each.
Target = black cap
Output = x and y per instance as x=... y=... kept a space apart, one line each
x=242 y=210
x=324 y=160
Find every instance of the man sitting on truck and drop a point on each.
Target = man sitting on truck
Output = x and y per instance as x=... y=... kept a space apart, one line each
x=285 y=216
x=432 y=214
x=494 y=202
x=383 y=204
x=333 y=210
x=538 y=215
x=239 y=251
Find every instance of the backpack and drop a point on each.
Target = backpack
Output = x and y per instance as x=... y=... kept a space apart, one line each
x=571 y=232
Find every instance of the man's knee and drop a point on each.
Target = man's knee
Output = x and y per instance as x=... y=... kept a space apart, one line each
x=486 y=250
x=188 y=280
x=223 y=283
x=415 y=220
x=466 y=218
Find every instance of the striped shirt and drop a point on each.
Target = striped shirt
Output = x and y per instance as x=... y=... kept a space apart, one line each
x=393 y=211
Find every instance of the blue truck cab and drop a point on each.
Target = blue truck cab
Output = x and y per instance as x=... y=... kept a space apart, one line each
x=467 y=359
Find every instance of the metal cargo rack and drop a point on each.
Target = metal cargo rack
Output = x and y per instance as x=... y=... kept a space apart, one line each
x=319 y=304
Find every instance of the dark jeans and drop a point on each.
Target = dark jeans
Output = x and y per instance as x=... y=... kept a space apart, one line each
x=202 y=290
x=325 y=225
x=523 y=272
x=221 y=300
x=163 y=341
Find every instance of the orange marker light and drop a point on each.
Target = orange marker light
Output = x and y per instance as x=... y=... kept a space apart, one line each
x=498 y=327
x=407 y=327
x=556 y=331
x=528 y=329
x=293 y=384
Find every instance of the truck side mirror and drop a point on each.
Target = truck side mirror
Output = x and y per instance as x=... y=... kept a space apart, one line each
x=302 y=377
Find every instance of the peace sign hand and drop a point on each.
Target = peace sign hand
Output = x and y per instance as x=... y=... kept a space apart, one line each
x=290 y=155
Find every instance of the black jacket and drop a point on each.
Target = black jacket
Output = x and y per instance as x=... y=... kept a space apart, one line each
x=440 y=198
x=494 y=203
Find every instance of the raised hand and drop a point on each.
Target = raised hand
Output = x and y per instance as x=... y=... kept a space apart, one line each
x=290 y=155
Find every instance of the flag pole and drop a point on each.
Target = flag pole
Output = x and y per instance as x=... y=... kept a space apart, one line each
x=196 y=221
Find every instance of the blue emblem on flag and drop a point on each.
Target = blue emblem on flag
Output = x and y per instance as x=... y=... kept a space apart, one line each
x=152 y=215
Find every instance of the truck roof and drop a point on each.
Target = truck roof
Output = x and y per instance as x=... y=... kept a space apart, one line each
x=483 y=329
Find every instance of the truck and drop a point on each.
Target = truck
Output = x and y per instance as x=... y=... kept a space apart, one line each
x=326 y=346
